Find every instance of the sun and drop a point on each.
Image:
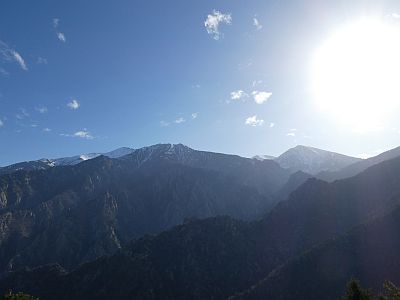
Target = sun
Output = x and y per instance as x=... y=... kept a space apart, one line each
x=356 y=74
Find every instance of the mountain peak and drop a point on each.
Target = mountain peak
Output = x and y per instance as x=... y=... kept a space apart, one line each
x=313 y=160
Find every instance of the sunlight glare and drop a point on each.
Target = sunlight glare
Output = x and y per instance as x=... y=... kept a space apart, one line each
x=356 y=74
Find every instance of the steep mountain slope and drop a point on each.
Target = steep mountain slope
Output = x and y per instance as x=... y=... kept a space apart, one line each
x=370 y=253
x=360 y=166
x=313 y=161
x=216 y=258
x=73 y=214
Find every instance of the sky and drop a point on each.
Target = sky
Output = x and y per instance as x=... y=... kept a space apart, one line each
x=225 y=76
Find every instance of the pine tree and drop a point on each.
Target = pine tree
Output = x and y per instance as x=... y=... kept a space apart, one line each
x=356 y=292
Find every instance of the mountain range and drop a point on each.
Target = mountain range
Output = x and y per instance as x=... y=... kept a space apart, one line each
x=82 y=231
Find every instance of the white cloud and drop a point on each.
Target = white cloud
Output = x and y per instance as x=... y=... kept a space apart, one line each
x=18 y=58
x=213 y=21
x=56 y=22
x=195 y=115
x=74 y=104
x=1 y=123
x=41 y=61
x=83 y=134
x=10 y=55
x=42 y=109
x=22 y=114
x=257 y=24
x=261 y=97
x=255 y=83
x=164 y=124
x=46 y=129
x=180 y=120
x=239 y=94
x=271 y=125
x=254 y=121
x=61 y=37
x=291 y=134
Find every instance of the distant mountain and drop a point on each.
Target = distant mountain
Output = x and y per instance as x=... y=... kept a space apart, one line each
x=359 y=166
x=220 y=257
x=313 y=161
x=72 y=214
x=45 y=163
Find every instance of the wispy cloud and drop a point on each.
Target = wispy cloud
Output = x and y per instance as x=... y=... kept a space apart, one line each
x=214 y=20
x=56 y=22
x=291 y=134
x=82 y=134
x=254 y=121
x=60 y=35
x=46 y=129
x=261 y=97
x=164 y=124
x=195 y=115
x=74 y=104
x=257 y=24
x=271 y=125
x=239 y=94
x=180 y=120
x=1 y=123
x=41 y=61
x=18 y=58
x=23 y=113
x=42 y=109
x=9 y=54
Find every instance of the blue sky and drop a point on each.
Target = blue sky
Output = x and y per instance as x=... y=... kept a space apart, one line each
x=226 y=76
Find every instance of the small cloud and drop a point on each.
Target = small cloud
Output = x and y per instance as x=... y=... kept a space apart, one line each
x=56 y=22
x=4 y=72
x=34 y=125
x=254 y=121
x=213 y=21
x=271 y=125
x=22 y=114
x=261 y=97
x=291 y=134
x=8 y=54
x=18 y=58
x=46 y=129
x=74 y=104
x=195 y=115
x=164 y=124
x=41 y=61
x=42 y=109
x=1 y=123
x=257 y=24
x=61 y=37
x=239 y=94
x=256 y=83
x=83 y=134
x=180 y=120
x=196 y=86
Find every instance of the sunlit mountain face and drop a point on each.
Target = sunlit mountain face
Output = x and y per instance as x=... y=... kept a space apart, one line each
x=199 y=150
